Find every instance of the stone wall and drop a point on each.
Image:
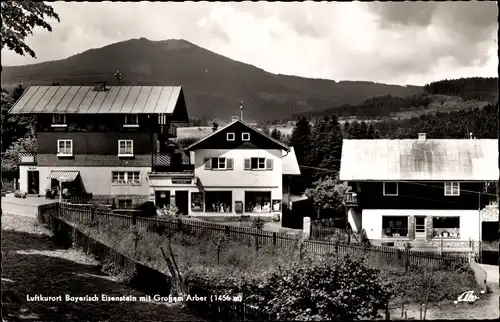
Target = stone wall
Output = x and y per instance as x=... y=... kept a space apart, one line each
x=490 y=213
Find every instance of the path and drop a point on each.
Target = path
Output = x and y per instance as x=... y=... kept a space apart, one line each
x=27 y=206
x=33 y=265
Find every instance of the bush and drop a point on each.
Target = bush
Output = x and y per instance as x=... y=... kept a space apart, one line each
x=325 y=290
x=258 y=223
x=20 y=194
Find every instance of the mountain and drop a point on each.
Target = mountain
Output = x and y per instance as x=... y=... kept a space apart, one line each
x=213 y=84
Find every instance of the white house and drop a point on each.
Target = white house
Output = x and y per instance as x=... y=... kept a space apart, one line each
x=237 y=170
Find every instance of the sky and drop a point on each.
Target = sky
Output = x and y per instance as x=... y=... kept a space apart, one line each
x=396 y=43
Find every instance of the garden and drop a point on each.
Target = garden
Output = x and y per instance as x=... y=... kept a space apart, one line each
x=317 y=287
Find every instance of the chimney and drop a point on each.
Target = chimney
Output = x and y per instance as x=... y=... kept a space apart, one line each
x=241 y=110
x=99 y=86
x=422 y=137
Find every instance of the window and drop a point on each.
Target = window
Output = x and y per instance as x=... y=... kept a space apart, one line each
x=124 y=203
x=394 y=226
x=123 y=177
x=65 y=148
x=197 y=201
x=391 y=188
x=446 y=227
x=245 y=136
x=218 y=163
x=257 y=164
x=257 y=201
x=452 y=189
x=218 y=201
x=230 y=136
x=131 y=120
x=59 y=120
x=125 y=148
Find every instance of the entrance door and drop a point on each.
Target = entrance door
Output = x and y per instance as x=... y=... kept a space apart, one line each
x=419 y=226
x=162 y=198
x=33 y=182
x=181 y=201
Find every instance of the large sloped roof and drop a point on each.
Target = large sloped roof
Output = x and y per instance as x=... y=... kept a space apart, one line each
x=114 y=100
x=412 y=160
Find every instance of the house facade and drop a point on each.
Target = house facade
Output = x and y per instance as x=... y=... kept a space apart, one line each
x=429 y=192
x=237 y=170
x=100 y=139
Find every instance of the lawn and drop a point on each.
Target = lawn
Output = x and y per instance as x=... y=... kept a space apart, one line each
x=32 y=264
x=199 y=255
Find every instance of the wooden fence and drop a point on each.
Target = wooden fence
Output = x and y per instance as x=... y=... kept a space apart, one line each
x=147 y=278
x=257 y=237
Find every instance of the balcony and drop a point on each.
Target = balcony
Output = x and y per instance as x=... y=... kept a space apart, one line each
x=351 y=199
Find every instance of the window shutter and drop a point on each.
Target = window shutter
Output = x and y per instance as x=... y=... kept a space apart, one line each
x=229 y=164
x=208 y=163
x=269 y=164
x=247 y=164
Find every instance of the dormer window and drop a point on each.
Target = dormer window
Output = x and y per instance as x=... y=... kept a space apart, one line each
x=245 y=136
x=131 y=120
x=59 y=120
x=230 y=136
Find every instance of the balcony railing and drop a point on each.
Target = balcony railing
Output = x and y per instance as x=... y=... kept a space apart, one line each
x=181 y=169
x=163 y=159
x=351 y=198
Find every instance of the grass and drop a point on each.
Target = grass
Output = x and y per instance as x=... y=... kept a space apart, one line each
x=33 y=264
x=197 y=255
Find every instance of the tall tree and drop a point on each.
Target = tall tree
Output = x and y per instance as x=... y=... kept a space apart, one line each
x=276 y=134
x=19 y=18
x=301 y=139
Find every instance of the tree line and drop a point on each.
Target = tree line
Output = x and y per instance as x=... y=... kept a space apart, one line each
x=474 y=88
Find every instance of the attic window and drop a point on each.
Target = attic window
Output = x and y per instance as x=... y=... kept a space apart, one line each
x=230 y=136
x=391 y=189
x=245 y=136
x=131 y=120
x=59 y=120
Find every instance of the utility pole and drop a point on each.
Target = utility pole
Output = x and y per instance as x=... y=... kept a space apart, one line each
x=241 y=110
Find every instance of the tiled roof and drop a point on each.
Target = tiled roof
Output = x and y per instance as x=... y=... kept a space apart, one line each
x=432 y=159
x=86 y=100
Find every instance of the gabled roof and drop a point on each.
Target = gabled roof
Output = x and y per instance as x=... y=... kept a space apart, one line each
x=283 y=146
x=290 y=163
x=114 y=100
x=413 y=160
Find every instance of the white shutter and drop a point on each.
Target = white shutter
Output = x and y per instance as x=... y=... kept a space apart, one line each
x=208 y=163
x=229 y=164
x=247 y=164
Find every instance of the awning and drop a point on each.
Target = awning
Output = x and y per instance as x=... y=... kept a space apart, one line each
x=63 y=175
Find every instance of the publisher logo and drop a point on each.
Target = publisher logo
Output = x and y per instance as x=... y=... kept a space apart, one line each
x=467 y=297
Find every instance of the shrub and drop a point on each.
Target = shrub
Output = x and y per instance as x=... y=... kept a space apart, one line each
x=258 y=223
x=324 y=290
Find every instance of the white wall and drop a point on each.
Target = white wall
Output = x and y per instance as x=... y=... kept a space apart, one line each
x=96 y=180
x=469 y=220
x=238 y=177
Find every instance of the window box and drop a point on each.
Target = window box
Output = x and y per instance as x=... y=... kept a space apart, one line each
x=125 y=148
x=64 y=148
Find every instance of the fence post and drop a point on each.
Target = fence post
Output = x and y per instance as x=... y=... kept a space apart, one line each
x=92 y=213
x=134 y=218
x=256 y=242
x=274 y=238
x=179 y=224
x=226 y=229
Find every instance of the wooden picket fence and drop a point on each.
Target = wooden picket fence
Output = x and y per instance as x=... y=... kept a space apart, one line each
x=253 y=236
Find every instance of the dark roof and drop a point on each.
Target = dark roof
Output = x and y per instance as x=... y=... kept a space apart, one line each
x=283 y=146
x=413 y=160
x=113 y=100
